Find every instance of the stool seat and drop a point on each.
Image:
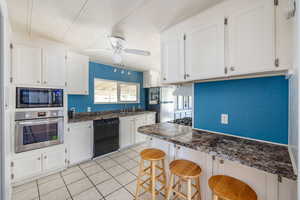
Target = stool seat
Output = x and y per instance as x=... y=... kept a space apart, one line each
x=152 y=154
x=185 y=169
x=229 y=188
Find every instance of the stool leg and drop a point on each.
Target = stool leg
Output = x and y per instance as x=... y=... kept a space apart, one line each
x=198 y=188
x=153 y=179
x=138 y=184
x=164 y=177
x=170 y=187
x=189 y=189
x=215 y=197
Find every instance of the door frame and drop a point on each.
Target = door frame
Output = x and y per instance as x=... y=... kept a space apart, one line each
x=2 y=116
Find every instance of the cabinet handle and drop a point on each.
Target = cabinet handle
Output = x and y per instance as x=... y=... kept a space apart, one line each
x=164 y=79
x=187 y=75
x=45 y=157
x=221 y=161
x=45 y=82
x=38 y=81
x=232 y=68
x=39 y=158
x=225 y=70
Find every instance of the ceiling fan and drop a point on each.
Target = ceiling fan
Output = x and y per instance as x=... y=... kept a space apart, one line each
x=118 y=47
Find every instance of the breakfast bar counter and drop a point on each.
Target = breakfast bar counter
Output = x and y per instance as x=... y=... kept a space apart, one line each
x=264 y=156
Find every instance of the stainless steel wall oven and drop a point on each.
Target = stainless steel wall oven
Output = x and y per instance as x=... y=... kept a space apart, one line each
x=38 y=129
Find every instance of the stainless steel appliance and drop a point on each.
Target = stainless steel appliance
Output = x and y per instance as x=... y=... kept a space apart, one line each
x=39 y=97
x=154 y=94
x=38 y=129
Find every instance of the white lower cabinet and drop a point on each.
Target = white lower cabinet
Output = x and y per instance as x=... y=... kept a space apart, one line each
x=35 y=163
x=264 y=184
x=53 y=159
x=126 y=132
x=129 y=134
x=79 y=141
x=26 y=166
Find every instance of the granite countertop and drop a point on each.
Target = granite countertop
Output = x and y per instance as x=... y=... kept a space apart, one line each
x=267 y=157
x=90 y=116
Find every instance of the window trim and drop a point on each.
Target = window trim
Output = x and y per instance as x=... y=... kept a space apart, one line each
x=118 y=92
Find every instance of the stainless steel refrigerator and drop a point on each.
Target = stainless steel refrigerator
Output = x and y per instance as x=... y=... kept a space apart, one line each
x=162 y=101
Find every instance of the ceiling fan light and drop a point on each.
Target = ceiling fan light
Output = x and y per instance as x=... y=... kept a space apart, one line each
x=117 y=58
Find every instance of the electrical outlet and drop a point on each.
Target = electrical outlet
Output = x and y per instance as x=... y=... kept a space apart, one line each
x=224 y=118
x=89 y=109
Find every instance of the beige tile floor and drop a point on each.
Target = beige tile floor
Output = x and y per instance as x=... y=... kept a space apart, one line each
x=112 y=177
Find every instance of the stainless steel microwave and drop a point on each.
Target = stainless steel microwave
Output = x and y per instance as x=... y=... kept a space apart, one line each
x=39 y=97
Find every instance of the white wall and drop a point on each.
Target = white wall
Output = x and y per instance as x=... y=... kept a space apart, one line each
x=5 y=115
x=294 y=97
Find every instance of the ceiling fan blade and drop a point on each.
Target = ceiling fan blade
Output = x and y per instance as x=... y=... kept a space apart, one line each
x=138 y=52
x=98 y=50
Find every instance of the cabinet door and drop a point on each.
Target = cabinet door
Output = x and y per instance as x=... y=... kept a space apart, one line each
x=151 y=119
x=54 y=67
x=79 y=141
x=27 y=65
x=140 y=121
x=171 y=59
x=264 y=184
x=251 y=37
x=54 y=158
x=203 y=160
x=204 y=49
x=126 y=132
x=287 y=189
x=284 y=35
x=26 y=166
x=165 y=146
x=78 y=74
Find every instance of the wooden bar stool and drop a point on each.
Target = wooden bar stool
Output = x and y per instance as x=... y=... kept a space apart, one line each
x=154 y=156
x=186 y=171
x=229 y=188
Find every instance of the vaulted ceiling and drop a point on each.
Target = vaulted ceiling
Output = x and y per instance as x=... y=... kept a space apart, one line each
x=83 y=24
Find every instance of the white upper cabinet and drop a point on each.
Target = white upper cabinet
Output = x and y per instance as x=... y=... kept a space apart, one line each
x=284 y=34
x=233 y=38
x=204 y=47
x=171 y=58
x=27 y=64
x=151 y=79
x=54 y=67
x=38 y=66
x=251 y=36
x=78 y=74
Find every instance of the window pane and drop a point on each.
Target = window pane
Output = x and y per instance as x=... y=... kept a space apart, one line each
x=128 y=92
x=105 y=91
x=190 y=102
x=180 y=103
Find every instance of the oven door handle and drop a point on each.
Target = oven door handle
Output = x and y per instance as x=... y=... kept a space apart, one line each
x=38 y=122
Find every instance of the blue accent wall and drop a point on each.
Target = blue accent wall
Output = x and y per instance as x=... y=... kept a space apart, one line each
x=257 y=108
x=82 y=102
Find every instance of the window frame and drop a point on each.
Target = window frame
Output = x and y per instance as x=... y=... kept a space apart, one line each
x=118 y=92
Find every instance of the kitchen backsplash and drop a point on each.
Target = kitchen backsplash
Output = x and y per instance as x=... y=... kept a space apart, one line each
x=82 y=102
x=257 y=108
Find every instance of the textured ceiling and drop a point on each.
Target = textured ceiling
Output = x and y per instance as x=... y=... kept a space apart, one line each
x=83 y=24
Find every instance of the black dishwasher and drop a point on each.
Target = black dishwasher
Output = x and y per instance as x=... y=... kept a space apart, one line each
x=106 y=136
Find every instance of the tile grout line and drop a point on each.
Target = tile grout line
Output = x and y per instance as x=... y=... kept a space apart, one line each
x=127 y=170
x=91 y=182
x=87 y=176
x=65 y=185
x=38 y=189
